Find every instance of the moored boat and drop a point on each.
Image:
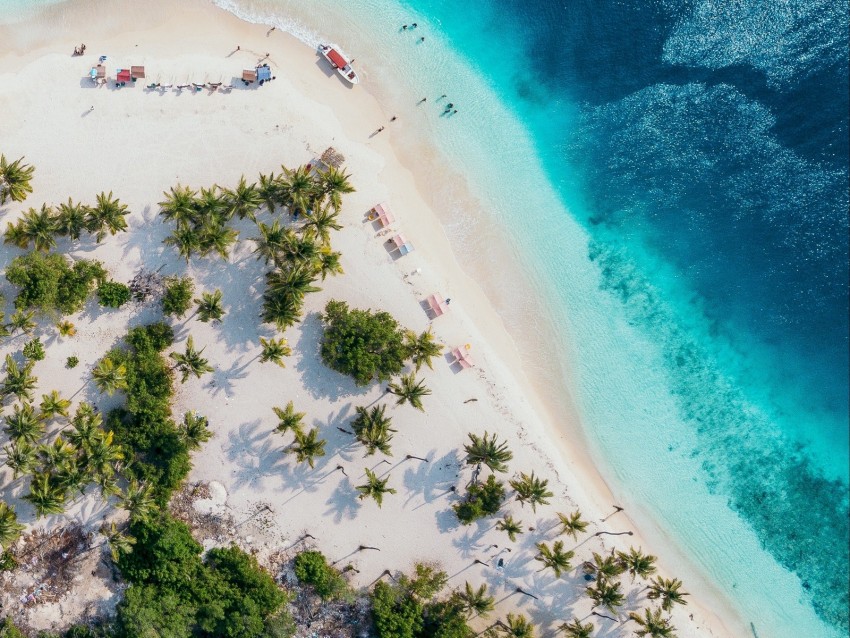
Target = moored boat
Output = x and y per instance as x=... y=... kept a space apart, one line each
x=338 y=61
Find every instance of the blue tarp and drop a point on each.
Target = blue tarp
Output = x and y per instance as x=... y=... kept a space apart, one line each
x=264 y=73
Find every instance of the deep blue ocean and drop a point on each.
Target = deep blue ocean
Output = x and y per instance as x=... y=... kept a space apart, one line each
x=702 y=146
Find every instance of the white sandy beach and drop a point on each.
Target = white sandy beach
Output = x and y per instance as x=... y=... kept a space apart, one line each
x=138 y=143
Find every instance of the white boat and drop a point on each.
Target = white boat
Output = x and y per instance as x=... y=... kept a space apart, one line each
x=338 y=61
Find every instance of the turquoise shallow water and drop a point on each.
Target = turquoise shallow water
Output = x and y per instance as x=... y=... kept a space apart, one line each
x=674 y=176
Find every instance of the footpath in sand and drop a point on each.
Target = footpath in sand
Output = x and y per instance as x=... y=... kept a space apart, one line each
x=139 y=143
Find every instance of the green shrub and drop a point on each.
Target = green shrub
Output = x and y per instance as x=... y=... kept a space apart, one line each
x=7 y=563
x=8 y=629
x=72 y=361
x=52 y=283
x=113 y=294
x=482 y=499
x=174 y=593
x=34 y=350
x=394 y=613
x=177 y=298
x=312 y=568
x=362 y=344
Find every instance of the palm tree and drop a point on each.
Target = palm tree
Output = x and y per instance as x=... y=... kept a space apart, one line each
x=409 y=390
x=372 y=429
x=243 y=201
x=329 y=263
x=532 y=489
x=120 y=544
x=296 y=282
x=191 y=361
x=517 y=626
x=194 y=430
x=179 y=205
x=374 y=487
x=53 y=404
x=22 y=320
x=108 y=215
x=487 y=451
x=653 y=624
x=270 y=241
x=274 y=350
x=102 y=455
x=297 y=189
x=422 y=348
x=555 y=558
x=209 y=306
x=333 y=184
x=138 y=500
x=216 y=236
x=474 y=601
x=19 y=380
x=45 y=496
x=308 y=446
x=268 y=191
x=637 y=563
x=606 y=594
x=66 y=328
x=577 y=629
x=300 y=249
x=24 y=424
x=20 y=457
x=322 y=222
x=668 y=592
x=209 y=205
x=509 y=525
x=85 y=427
x=281 y=309
x=72 y=220
x=186 y=240
x=289 y=419
x=10 y=528
x=572 y=524
x=605 y=568
x=16 y=235
x=110 y=377
x=40 y=227
x=15 y=178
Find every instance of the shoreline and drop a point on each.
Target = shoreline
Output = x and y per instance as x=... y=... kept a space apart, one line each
x=432 y=247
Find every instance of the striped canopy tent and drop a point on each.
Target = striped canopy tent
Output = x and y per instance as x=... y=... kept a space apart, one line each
x=401 y=244
x=462 y=358
x=381 y=214
x=437 y=304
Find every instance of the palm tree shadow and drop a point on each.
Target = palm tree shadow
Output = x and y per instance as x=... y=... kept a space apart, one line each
x=343 y=502
x=425 y=477
x=255 y=453
x=320 y=381
x=223 y=380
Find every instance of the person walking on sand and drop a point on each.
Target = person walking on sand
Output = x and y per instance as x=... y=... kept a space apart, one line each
x=379 y=130
x=393 y=118
x=424 y=99
x=91 y=109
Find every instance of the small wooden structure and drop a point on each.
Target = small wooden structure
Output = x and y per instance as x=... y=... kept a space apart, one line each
x=137 y=72
x=332 y=157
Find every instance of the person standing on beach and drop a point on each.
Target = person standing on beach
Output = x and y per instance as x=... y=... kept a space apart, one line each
x=424 y=99
x=393 y=118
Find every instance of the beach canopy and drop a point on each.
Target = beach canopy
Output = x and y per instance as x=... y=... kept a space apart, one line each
x=123 y=75
x=264 y=73
x=437 y=304
x=249 y=75
x=382 y=215
x=401 y=244
x=462 y=358
x=137 y=72
x=98 y=72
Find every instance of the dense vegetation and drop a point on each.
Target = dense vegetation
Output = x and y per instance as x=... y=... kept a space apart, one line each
x=52 y=283
x=311 y=568
x=177 y=594
x=144 y=426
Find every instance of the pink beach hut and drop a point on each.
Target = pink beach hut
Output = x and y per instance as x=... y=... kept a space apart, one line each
x=381 y=214
x=401 y=244
x=437 y=305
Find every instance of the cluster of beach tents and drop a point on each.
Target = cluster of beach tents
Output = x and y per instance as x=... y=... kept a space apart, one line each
x=128 y=76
